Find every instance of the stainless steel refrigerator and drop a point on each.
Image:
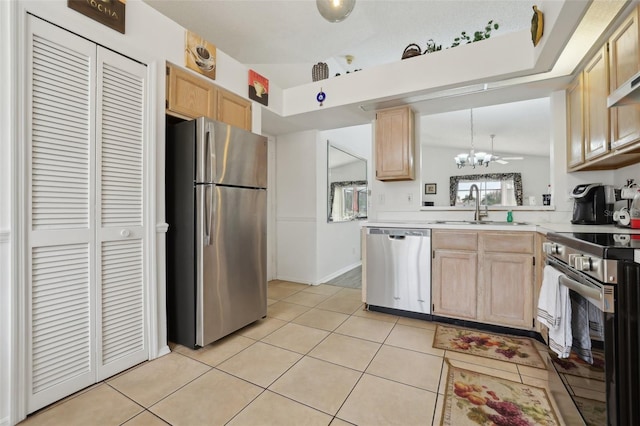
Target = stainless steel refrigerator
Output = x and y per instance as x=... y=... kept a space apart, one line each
x=216 y=198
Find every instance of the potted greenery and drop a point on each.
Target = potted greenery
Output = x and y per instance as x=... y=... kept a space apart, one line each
x=477 y=36
x=432 y=47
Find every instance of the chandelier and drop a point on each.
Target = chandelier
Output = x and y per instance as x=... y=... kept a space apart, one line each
x=473 y=158
x=335 y=10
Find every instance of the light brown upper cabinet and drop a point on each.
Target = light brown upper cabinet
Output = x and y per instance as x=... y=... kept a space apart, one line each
x=624 y=62
x=575 y=125
x=233 y=109
x=611 y=135
x=596 y=115
x=395 y=144
x=190 y=96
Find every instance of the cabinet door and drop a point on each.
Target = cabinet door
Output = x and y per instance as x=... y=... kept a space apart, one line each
x=60 y=214
x=454 y=283
x=189 y=96
x=506 y=283
x=624 y=62
x=394 y=144
x=233 y=110
x=596 y=114
x=120 y=184
x=575 y=125
x=84 y=180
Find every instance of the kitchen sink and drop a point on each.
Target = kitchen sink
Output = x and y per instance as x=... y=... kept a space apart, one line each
x=478 y=222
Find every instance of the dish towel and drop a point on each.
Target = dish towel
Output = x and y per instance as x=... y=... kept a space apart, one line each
x=560 y=338
x=554 y=311
x=549 y=299
x=580 y=327
x=596 y=322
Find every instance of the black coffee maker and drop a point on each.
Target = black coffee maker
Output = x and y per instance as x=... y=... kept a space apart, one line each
x=591 y=205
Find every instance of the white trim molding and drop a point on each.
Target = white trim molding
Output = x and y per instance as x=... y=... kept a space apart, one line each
x=296 y=219
x=5 y=235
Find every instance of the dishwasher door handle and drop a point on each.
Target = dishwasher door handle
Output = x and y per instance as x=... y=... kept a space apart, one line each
x=397 y=237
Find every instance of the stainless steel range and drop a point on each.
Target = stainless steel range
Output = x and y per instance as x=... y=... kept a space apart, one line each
x=600 y=268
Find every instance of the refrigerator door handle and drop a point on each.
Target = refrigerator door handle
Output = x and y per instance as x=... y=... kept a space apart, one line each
x=208 y=213
x=207 y=155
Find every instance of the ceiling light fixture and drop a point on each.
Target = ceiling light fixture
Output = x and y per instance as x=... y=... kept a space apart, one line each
x=471 y=159
x=335 y=10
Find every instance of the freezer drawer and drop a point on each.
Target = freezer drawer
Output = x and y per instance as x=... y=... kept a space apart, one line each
x=399 y=269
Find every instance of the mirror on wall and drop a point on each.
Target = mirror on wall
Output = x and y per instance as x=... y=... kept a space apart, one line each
x=521 y=142
x=494 y=189
x=346 y=185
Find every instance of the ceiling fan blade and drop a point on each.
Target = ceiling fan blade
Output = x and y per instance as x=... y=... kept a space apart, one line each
x=513 y=158
x=502 y=162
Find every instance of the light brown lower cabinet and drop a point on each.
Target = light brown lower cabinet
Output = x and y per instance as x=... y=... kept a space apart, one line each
x=484 y=276
x=456 y=271
x=506 y=282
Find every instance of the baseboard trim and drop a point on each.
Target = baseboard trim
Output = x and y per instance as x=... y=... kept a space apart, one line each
x=163 y=351
x=294 y=280
x=339 y=272
x=4 y=422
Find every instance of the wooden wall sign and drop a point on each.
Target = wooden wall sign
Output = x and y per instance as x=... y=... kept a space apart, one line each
x=107 y=12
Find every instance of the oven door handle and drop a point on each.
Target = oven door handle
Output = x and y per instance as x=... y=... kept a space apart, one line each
x=581 y=289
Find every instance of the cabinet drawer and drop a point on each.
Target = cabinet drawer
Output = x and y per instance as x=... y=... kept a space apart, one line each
x=521 y=242
x=454 y=240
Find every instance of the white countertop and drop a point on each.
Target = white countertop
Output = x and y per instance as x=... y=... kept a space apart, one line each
x=501 y=226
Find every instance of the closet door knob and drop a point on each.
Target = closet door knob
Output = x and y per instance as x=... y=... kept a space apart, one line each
x=125 y=233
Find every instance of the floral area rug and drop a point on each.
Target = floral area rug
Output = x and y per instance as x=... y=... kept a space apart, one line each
x=477 y=399
x=519 y=350
x=575 y=366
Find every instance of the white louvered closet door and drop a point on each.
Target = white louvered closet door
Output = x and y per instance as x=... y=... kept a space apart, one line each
x=85 y=298
x=61 y=217
x=120 y=176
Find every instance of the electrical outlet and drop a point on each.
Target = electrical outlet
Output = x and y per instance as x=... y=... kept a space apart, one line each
x=409 y=197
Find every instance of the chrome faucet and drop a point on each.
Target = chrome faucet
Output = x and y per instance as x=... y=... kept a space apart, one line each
x=478 y=214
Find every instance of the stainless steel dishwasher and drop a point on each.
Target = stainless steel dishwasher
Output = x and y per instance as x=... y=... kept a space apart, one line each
x=398 y=269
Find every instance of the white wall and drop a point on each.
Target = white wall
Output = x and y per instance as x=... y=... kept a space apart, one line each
x=309 y=249
x=296 y=183
x=348 y=172
x=339 y=243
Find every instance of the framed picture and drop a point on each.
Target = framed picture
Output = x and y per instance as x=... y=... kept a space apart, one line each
x=258 y=88
x=200 y=55
x=430 y=188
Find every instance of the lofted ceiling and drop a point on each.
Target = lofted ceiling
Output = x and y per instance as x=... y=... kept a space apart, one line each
x=283 y=39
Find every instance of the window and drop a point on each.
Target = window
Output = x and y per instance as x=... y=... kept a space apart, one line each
x=495 y=189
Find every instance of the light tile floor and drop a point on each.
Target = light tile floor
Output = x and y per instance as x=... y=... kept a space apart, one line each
x=318 y=358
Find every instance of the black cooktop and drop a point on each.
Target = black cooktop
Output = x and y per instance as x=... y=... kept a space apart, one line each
x=603 y=245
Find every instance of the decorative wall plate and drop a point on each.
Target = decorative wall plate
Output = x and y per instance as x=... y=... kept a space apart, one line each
x=537 y=25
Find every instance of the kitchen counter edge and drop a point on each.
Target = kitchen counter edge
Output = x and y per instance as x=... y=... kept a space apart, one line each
x=542 y=228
